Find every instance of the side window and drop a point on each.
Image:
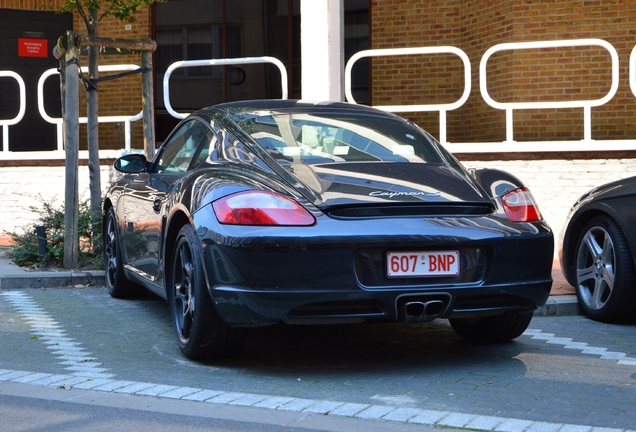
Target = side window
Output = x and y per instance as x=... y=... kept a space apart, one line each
x=205 y=149
x=188 y=147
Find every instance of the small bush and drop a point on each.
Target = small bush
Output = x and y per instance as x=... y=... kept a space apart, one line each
x=25 y=251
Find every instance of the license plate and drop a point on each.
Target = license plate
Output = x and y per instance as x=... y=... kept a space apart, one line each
x=422 y=263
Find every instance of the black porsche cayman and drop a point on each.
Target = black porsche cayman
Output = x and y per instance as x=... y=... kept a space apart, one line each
x=260 y=212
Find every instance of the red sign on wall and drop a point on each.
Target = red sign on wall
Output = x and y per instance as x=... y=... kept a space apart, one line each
x=28 y=47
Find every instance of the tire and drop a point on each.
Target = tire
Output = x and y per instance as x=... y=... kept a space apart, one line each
x=201 y=333
x=604 y=272
x=116 y=282
x=492 y=329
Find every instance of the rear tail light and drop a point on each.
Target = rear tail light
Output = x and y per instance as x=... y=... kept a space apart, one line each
x=520 y=206
x=261 y=208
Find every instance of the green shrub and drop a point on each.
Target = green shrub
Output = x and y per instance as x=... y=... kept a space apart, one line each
x=25 y=250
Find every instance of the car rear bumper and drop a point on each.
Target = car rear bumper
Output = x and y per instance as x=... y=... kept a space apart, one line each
x=242 y=306
x=327 y=273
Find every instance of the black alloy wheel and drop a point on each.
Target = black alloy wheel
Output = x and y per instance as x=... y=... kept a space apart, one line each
x=492 y=329
x=604 y=271
x=116 y=282
x=200 y=331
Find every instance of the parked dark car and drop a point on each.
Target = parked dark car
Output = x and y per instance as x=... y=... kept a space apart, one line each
x=256 y=213
x=597 y=251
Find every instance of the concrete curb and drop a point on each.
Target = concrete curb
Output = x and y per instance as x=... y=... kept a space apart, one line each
x=50 y=279
x=560 y=305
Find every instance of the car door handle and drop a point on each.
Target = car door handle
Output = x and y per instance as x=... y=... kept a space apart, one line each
x=156 y=205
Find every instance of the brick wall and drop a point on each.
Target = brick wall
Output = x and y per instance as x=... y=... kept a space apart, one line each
x=526 y=75
x=416 y=79
x=121 y=96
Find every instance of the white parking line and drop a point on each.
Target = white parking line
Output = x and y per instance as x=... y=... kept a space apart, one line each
x=619 y=357
x=45 y=328
x=97 y=380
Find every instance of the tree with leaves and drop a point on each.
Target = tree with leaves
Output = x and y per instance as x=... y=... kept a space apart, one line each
x=92 y=12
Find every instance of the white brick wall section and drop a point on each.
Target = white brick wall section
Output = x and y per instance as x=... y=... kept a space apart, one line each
x=555 y=184
x=21 y=186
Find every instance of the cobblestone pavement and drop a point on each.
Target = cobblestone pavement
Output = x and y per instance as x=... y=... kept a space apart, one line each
x=562 y=373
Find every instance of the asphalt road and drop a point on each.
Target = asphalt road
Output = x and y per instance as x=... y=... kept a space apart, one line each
x=565 y=373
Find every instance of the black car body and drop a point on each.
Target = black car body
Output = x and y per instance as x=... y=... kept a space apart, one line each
x=597 y=250
x=258 y=212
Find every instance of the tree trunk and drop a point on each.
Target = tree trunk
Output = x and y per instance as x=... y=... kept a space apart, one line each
x=94 y=171
x=71 y=140
x=148 y=105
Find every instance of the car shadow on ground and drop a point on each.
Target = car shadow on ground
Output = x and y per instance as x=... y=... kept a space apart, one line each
x=369 y=349
x=376 y=348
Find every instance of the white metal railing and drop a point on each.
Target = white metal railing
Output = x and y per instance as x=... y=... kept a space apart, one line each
x=101 y=119
x=218 y=62
x=585 y=104
x=5 y=123
x=632 y=71
x=441 y=108
x=509 y=145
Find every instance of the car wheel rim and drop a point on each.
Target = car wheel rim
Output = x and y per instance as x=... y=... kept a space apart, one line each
x=184 y=301
x=595 y=268
x=110 y=249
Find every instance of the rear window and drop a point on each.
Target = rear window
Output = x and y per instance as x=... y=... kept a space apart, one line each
x=323 y=138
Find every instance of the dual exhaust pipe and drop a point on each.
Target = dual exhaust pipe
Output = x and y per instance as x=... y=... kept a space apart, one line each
x=418 y=311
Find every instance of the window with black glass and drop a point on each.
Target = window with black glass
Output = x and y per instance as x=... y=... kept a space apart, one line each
x=356 y=31
x=196 y=43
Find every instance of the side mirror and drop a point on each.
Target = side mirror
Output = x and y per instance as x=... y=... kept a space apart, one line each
x=131 y=163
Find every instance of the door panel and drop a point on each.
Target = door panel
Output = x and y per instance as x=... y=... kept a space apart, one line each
x=147 y=195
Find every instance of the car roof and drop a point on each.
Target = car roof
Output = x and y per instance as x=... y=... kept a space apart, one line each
x=243 y=110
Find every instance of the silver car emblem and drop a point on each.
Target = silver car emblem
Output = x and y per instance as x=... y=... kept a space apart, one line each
x=402 y=194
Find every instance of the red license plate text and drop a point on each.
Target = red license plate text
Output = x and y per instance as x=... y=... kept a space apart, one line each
x=422 y=263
